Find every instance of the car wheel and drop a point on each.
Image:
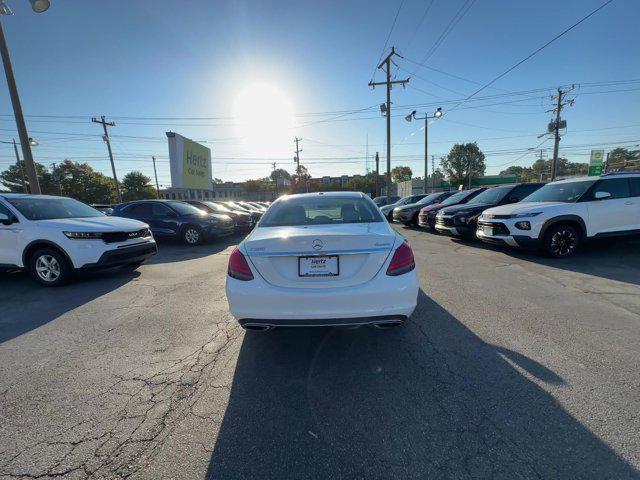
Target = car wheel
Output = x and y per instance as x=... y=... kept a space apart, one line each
x=414 y=221
x=192 y=235
x=561 y=241
x=49 y=267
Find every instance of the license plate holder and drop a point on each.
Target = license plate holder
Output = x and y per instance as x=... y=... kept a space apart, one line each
x=319 y=266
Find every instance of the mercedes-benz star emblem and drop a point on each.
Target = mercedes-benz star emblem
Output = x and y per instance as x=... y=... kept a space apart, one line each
x=317 y=244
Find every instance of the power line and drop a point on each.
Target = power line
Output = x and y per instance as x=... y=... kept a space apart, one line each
x=535 y=52
x=386 y=42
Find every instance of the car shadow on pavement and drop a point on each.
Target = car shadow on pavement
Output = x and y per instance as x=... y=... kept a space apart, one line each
x=25 y=305
x=614 y=259
x=427 y=400
x=174 y=251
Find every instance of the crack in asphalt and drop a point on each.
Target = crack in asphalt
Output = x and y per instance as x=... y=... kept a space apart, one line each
x=155 y=404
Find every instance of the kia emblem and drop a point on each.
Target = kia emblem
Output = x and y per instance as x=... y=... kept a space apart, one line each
x=317 y=244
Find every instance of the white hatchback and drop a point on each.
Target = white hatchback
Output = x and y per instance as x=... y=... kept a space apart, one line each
x=322 y=259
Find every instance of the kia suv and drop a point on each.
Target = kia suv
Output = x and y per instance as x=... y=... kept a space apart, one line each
x=52 y=237
x=461 y=220
x=561 y=215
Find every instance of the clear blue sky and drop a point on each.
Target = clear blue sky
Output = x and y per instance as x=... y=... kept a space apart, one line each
x=148 y=59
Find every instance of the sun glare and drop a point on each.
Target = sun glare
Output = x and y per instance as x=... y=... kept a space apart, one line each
x=264 y=118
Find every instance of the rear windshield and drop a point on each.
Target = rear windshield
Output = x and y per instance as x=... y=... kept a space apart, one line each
x=320 y=211
x=50 y=208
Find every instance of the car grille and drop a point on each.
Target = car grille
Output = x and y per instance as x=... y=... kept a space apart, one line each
x=445 y=221
x=498 y=228
x=118 y=237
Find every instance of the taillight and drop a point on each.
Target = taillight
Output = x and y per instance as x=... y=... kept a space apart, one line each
x=238 y=266
x=402 y=261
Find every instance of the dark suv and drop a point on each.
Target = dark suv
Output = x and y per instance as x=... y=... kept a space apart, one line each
x=461 y=220
x=176 y=220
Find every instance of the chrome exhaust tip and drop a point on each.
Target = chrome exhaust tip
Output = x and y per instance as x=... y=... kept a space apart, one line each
x=255 y=327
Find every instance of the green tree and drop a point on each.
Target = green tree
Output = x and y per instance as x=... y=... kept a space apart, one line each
x=80 y=181
x=280 y=173
x=401 y=173
x=299 y=180
x=136 y=186
x=464 y=160
x=11 y=178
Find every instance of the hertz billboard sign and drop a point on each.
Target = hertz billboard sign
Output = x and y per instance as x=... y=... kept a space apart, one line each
x=190 y=163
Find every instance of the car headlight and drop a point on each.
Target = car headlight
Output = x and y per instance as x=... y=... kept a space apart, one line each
x=524 y=215
x=83 y=235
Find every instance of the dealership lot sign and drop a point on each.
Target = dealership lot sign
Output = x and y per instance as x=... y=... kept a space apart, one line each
x=190 y=163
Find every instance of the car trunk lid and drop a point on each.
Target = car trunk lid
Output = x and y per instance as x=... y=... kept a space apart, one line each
x=282 y=254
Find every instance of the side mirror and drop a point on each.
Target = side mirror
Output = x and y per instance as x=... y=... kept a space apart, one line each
x=4 y=219
x=601 y=195
x=513 y=200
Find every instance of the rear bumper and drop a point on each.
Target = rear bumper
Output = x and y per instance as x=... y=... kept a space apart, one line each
x=123 y=256
x=381 y=321
x=383 y=296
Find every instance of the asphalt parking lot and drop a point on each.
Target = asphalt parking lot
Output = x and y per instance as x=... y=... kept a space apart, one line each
x=513 y=366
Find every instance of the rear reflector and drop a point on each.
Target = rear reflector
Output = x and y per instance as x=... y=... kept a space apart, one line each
x=238 y=266
x=402 y=261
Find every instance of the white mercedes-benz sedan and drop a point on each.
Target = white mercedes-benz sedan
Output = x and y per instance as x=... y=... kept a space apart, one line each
x=322 y=259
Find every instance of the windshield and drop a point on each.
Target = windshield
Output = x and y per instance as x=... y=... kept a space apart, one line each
x=429 y=198
x=456 y=198
x=492 y=195
x=320 y=211
x=216 y=207
x=51 y=208
x=379 y=200
x=560 y=192
x=185 y=208
x=236 y=206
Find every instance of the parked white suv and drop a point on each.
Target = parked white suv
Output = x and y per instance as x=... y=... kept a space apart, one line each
x=560 y=215
x=51 y=237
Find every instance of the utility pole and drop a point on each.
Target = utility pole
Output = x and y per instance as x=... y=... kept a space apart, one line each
x=155 y=173
x=385 y=65
x=377 y=175
x=104 y=124
x=433 y=172
x=556 y=128
x=21 y=126
x=275 y=178
x=297 y=159
x=24 y=182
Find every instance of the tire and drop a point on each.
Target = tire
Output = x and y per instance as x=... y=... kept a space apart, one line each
x=414 y=220
x=561 y=241
x=49 y=267
x=192 y=235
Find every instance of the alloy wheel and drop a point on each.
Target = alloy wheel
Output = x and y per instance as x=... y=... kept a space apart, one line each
x=563 y=242
x=192 y=236
x=48 y=268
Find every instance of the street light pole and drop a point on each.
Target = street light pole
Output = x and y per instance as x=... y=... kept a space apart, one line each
x=426 y=118
x=17 y=111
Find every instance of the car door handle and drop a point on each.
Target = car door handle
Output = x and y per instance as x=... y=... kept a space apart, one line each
x=629 y=203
